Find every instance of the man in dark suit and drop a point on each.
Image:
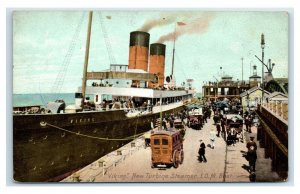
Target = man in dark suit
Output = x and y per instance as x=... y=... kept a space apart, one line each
x=251 y=143
x=252 y=156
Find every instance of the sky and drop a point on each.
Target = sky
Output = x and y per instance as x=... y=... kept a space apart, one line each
x=51 y=44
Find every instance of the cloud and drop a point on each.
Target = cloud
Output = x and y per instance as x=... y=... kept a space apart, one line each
x=198 y=25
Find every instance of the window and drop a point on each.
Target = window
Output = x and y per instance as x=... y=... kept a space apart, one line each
x=179 y=126
x=165 y=142
x=156 y=141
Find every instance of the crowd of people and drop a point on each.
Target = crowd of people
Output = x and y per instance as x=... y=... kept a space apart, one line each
x=231 y=130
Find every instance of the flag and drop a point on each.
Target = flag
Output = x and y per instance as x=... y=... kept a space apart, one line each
x=180 y=24
x=108 y=17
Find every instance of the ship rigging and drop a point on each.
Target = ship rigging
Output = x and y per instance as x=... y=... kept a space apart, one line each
x=73 y=136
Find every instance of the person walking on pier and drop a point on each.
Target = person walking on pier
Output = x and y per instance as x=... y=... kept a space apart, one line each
x=212 y=137
x=231 y=138
x=171 y=120
x=248 y=124
x=205 y=117
x=209 y=113
x=201 y=153
x=223 y=128
x=164 y=124
x=218 y=129
x=251 y=154
x=251 y=157
x=251 y=143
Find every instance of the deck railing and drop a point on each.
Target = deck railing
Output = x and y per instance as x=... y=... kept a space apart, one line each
x=278 y=108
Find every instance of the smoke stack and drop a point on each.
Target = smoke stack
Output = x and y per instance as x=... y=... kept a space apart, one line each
x=157 y=63
x=138 y=50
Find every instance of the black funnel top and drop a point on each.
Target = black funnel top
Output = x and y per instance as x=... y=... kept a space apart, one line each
x=157 y=49
x=139 y=38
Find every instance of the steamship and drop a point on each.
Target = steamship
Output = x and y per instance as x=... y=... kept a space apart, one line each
x=50 y=146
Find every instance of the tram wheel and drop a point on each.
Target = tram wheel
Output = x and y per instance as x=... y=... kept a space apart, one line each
x=181 y=157
x=175 y=160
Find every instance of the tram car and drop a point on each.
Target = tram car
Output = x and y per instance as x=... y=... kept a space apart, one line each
x=166 y=148
x=178 y=125
x=195 y=118
x=234 y=120
x=234 y=127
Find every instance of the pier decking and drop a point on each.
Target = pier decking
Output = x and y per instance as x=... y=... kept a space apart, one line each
x=132 y=163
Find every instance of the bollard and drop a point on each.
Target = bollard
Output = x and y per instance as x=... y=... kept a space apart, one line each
x=132 y=144
x=103 y=171
x=101 y=163
x=76 y=177
x=119 y=152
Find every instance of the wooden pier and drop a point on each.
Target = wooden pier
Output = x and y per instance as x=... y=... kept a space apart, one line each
x=272 y=134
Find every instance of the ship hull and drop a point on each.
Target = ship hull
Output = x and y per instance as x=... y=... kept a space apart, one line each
x=49 y=153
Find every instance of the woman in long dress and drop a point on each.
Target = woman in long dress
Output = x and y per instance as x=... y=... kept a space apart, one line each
x=212 y=137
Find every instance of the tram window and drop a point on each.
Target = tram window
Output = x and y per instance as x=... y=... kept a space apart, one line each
x=156 y=142
x=165 y=142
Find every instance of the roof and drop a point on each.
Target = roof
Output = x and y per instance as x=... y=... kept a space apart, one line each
x=164 y=132
x=226 y=77
x=251 y=90
x=177 y=121
x=255 y=76
x=193 y=106
x=277 y=94
x=281 y=80
x=231 y=116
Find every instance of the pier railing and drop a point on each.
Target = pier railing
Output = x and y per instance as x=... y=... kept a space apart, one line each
x=227 y=84
x=272 y=134
x=278 y=108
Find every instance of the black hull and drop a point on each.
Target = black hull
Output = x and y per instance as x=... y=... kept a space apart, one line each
x=45 y=153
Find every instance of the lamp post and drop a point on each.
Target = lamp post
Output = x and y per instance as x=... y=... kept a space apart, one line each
x=242 y=69
x=248 y=100
x=262 y=44
x=216 y=93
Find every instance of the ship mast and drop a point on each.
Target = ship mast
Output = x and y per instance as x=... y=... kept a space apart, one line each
x=86 y=59
x=173 y=52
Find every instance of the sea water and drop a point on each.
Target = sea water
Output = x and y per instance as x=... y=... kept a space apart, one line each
x=42 y=99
